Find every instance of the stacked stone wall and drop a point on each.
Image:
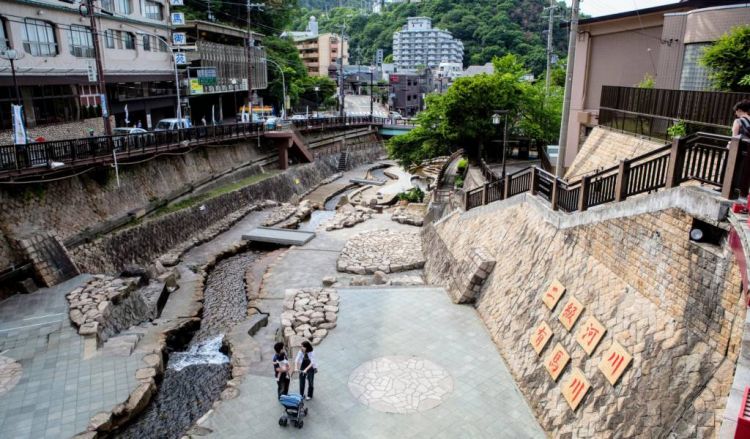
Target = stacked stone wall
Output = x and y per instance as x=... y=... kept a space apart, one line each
x=604 y=148
x=59 y=131
x=142 y=243
x=674 y=305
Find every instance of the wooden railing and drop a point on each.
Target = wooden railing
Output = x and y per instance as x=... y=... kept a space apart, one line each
x=441 y=173
x=715 y=161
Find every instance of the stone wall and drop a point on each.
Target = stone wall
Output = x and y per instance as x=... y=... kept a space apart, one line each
x=674 y=305
x=59 y=131
x=142 y=243
x=605 y=148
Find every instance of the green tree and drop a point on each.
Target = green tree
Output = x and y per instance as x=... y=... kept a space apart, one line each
x=462 y=117
x=729 y=60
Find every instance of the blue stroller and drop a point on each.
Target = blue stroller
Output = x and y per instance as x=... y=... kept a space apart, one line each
x=294 y=410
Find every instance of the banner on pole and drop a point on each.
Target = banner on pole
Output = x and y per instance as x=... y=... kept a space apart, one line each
x=127 y=119
x=19 y=131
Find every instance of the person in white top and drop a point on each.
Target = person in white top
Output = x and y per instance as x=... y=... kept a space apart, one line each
x=307 y=367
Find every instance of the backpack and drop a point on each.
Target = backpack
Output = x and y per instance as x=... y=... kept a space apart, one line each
x=744 y=128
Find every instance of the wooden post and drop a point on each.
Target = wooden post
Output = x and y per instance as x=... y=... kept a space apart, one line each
x=554 y=194
x=485 y=194
x=621 y=184
x=584 y=193
x=734 y=171
x=532 y=186
x=676 y=159
x=506 y=184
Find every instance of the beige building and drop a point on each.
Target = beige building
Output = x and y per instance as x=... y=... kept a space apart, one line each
x=663 y=42
x=57 y=51
x=321 y=51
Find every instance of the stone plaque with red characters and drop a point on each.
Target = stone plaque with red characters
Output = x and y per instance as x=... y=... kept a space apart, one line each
x=570 y=313
x=614 y=362
x=540 y=337
x=556 y=361
x=590 y=333
x=575 y=388
x=553 y=294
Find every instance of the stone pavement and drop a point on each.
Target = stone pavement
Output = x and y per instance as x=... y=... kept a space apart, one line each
x=58 y=391
x=412 y=323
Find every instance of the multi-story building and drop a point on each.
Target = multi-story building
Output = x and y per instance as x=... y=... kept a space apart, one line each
x=407 y=91
x=662 y=42
x=56 y=47
x=319 y=51
x=419 y=44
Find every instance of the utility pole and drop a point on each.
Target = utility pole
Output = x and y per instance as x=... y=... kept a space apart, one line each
x=99 y=68
x=551 y=10
x=341 y=69
x=563 y=141
x=250 y=44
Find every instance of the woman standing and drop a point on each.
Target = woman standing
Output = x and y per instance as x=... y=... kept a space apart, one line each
x=307 y=367
x=281 y=370
x=741 y=125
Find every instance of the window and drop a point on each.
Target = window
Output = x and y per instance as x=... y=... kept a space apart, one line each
x=146 y=42
x=694 y=75
x=162 y=45
x=4 y=41
x=154 y=11
x=123 y=7
x=80 y=42
x=128 y=40
x=39 y=38
x=109 y=39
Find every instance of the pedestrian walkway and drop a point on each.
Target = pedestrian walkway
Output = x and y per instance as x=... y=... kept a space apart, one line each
x=465 y=391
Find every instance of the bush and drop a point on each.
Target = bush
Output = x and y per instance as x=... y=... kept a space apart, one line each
x=679 y=129
x=462 y=165
x=413 y=195
x=459 y=182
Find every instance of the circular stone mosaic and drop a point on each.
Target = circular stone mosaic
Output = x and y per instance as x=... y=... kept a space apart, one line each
x=10 y=373
x=400 y=384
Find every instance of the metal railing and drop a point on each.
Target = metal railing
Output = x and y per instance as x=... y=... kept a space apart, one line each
x=715 y=161
x=22 y=159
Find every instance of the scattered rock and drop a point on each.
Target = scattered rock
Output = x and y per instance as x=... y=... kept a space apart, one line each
x=379 y=278
x=387 y=251
x=349 y=215
x=309 y=314
x=329 y=281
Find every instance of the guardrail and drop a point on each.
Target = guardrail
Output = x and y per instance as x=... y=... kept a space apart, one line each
x=712 y=160
x=18 y=160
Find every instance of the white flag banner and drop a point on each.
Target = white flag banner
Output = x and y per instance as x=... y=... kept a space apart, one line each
x=19 y=131
x=244 y=115
x=127 y=121
x=213 y=117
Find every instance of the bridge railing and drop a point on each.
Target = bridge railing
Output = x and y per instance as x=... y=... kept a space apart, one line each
x=720 y=162
x=16 y=158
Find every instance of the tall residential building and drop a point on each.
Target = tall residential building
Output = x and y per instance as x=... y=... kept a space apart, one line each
x=419 y=44
x=319 y=52
x=57 y=50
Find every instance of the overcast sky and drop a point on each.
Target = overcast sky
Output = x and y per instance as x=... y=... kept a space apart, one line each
x=596 y=8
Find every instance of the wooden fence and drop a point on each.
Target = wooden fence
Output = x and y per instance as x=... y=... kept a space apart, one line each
x=716 y=161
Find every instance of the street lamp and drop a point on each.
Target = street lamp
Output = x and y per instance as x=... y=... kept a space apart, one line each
x=317 y=99
x=496 y=121
x=283 y=87
x=13 y=55
x=176 y=78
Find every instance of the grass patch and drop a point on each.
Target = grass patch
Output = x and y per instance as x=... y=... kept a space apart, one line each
x=192 y=201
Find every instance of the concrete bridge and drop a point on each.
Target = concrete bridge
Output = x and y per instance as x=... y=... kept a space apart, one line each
x=63 y=157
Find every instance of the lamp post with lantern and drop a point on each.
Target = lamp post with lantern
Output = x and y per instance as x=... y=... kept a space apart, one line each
x=496 y=121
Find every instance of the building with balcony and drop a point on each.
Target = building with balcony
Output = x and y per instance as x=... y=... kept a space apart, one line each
x=57 y=51
x=663 y=42
x=419 y=44
x=319 y=51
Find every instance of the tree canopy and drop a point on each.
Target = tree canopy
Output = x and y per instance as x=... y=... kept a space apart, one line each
x=729 y=60
x=488 y=28
x=462 y=117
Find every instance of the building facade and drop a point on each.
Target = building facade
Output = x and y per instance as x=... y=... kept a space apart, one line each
x=407 y=91
x=419 y=44
x=662 y=42
x=57 y=51
x=320 y=52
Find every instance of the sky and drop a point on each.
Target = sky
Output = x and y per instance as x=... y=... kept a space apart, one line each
x=596 y=8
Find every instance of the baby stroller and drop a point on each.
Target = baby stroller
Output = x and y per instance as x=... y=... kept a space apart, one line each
x=294 y=410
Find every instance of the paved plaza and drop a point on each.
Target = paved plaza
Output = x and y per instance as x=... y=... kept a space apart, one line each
x=473 y=393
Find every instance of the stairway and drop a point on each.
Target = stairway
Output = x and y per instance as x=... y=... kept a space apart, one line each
x=343 y=158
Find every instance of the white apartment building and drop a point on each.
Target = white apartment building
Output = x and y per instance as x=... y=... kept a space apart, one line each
x=56 y=47
x=419 y=44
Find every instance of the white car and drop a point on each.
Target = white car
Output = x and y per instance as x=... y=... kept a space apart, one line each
x=172 y=124
x=299 y=117
x=120 y=131
x=130 y=136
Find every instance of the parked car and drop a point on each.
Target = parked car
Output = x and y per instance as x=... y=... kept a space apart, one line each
x=271 y=123
x=256 y=118
x=299 y=117
x=395 y=115
x=130 y=137
x=127 y=131
x=172 y=124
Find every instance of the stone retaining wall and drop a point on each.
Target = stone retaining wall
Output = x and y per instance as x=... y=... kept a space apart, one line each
x=59 y=131
x=142 y=243
x=674 y=305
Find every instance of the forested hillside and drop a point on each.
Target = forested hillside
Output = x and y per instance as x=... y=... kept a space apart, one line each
x=488 y=28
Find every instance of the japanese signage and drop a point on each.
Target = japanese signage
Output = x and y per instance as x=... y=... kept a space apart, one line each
x=179 y=38
x=91 y=71
x=575 y=388
x=590 y=334
x=553 y=294
x=379 y=57
x=105 y=109
x=556 y=361
x=540 y=337
x=180 y=58
x=196 y=88
x=178 y=18
x=206 y=75
x=614 y=362
x=175 y=3
x=570 y=313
